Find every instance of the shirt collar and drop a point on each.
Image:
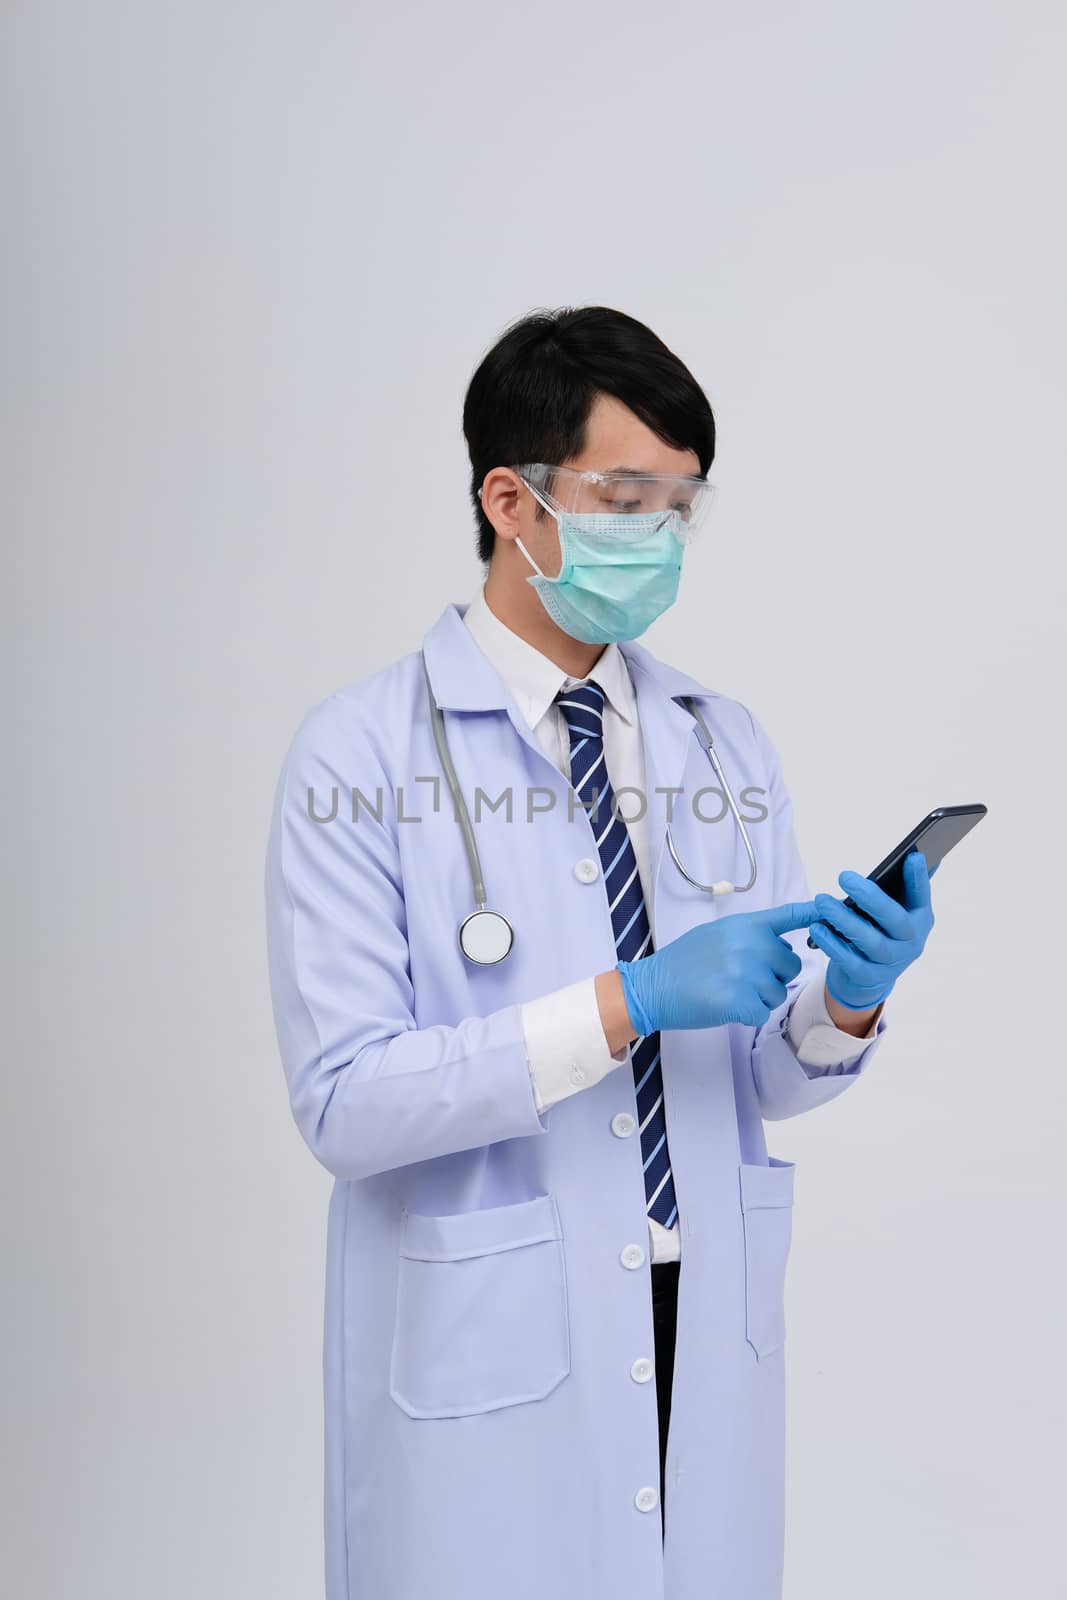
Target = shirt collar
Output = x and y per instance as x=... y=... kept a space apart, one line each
x=532 y=679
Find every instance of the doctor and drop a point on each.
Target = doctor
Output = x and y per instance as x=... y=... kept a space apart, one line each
x=555 y=1334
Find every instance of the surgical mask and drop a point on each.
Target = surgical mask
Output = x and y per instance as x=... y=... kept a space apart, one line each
x=618 y=573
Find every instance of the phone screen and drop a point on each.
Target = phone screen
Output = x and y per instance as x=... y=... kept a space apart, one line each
x=935 y=836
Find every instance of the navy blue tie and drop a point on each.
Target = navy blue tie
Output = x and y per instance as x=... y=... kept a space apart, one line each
x=583 y=707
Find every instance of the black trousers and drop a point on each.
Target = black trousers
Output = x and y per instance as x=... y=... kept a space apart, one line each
x=665 y=1275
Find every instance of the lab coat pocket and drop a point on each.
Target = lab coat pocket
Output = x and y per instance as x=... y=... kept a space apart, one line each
x=481 y=1310
x=767 y=1210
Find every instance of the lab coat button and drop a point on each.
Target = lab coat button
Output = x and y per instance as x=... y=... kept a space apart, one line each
x=641 y=1370
x=576 y=1074
x=646 y=1499
x=632 y=1256
x=622 y=1124
x=587 y=870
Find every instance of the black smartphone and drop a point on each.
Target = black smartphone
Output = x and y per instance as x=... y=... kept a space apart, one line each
x=935 y=836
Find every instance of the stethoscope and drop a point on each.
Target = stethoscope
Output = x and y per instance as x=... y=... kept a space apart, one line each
x=485 y=936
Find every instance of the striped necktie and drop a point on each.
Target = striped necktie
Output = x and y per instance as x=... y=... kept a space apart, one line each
x=583 y=708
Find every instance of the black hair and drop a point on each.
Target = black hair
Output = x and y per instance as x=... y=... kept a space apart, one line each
x=531 y=396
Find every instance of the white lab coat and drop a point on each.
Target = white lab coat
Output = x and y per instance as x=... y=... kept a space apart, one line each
x=487 y=1282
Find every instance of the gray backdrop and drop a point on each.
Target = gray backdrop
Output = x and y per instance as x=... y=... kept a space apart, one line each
x=252 y=254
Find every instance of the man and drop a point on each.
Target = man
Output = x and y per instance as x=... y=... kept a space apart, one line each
x=527 y=1392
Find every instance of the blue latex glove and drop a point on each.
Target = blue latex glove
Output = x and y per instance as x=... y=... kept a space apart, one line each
x=733 y=970
x=868 y=960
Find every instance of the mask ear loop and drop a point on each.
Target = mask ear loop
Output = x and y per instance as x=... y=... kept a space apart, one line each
x=552 y=513
x=530 y=559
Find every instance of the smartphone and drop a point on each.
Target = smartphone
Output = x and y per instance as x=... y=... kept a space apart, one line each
x=935 y=836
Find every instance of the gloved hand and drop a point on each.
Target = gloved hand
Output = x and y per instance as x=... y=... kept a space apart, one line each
x=866 y=963
x=733 y=970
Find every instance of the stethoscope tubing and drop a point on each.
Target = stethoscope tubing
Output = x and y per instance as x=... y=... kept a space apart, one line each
x=462 y=815
x=459 y=804
x=703 y=733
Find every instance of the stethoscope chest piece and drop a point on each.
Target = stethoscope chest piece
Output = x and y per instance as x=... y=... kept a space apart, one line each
x=485 y=937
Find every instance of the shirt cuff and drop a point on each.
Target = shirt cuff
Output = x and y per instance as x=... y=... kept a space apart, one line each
x=814 y=1035
x=565 y=1045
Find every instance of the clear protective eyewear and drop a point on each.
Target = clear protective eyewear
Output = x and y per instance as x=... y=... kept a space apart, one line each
x=621 y=493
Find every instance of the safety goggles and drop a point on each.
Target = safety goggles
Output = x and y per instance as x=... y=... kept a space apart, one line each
x=621 y=494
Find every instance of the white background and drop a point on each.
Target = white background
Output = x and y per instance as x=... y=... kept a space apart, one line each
x=252 y=254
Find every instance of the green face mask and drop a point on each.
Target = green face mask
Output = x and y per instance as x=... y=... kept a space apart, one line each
x=619 y=573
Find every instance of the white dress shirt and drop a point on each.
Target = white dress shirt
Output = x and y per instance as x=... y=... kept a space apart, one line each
x=565 y=1045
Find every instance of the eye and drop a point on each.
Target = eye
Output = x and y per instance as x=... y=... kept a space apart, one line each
x=624 y=506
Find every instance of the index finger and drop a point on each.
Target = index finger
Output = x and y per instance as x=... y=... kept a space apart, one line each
x=794 y=914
